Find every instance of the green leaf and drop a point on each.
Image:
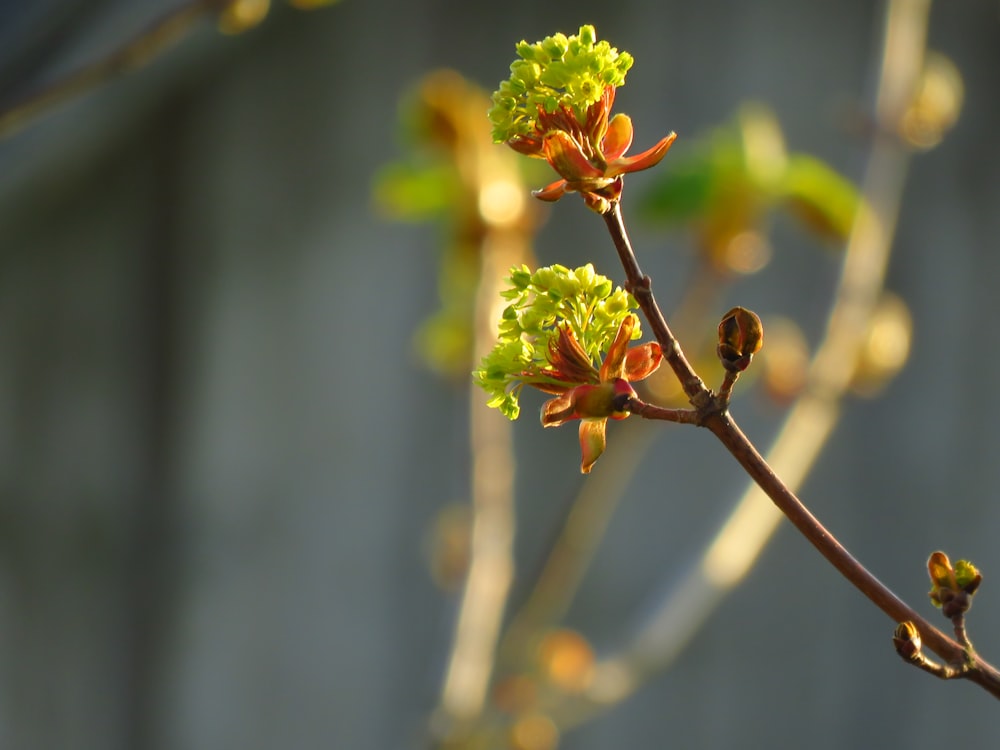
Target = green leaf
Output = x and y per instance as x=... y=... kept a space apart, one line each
x=413 y=192
x=686 y=190
x=819 y=197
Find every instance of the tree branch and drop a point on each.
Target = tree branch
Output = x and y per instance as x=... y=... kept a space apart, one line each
x=715 y=417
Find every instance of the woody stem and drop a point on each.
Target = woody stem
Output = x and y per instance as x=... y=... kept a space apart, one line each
x=716 y=419
x=639 y=285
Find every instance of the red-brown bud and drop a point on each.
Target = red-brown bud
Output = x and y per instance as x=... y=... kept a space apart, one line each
x=741 y=335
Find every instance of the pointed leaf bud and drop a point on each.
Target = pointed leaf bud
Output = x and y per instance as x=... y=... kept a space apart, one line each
x=952 y=587
x=942 y=577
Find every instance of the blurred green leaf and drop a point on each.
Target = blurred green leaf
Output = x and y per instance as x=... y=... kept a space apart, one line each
x=818 y=196
x=416 y=192
x=731 y=180
x=682 y=190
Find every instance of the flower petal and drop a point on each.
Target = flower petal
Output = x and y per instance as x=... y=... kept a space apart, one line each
x=555 y=389
x=642 y=361
x=559 y=410
x=566 y=157
x=645 y=160
x=552 y=192
x=570 y=363
x=529 y=145
x=618 y=138
x=592 y=442
x=584 y=402
x=614 y=362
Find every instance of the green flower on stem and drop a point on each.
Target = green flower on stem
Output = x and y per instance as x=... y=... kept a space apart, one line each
x=556 y=106
x=558 y=325
x=538 y=303
x=557 y=72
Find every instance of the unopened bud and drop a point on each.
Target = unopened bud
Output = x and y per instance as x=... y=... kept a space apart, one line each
x=952 y=587
x=936 y=103
x=238 y=16
x=741 y=335
x=886 y=346
x=907 y=641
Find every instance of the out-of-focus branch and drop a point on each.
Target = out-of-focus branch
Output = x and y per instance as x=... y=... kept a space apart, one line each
x=233 y=16
x=576 y=544
x=491 y=564
x=494 y=223
x=133 y=54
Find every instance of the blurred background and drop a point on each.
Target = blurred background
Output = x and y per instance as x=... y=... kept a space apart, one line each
x=220 y=456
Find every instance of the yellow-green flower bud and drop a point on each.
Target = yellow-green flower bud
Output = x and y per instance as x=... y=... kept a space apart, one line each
x=952 y=587
x=967 y=576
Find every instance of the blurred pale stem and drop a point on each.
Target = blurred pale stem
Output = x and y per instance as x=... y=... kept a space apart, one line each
x=491 y=181
x=491 y=561
x=577 y=542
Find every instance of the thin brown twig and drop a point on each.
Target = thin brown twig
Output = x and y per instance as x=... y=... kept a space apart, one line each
x=650 y=411
x=716 y=419
x=641 y=288
x=810 y=422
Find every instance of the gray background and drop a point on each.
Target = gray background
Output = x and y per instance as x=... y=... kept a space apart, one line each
x=218 y=458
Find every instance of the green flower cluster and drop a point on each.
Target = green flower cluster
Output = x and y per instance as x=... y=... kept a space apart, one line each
x=587 y=302
x=557 y=71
